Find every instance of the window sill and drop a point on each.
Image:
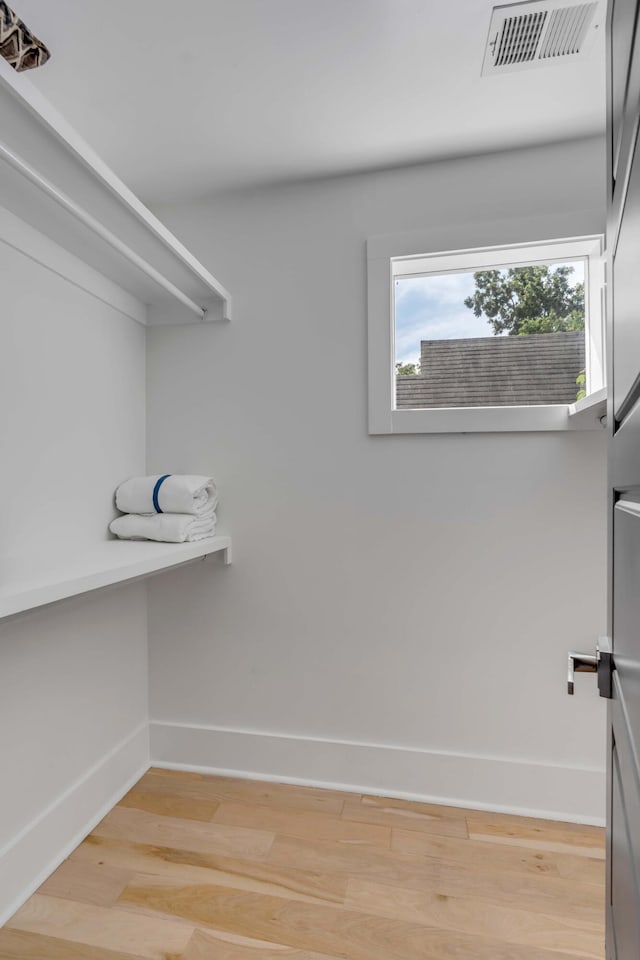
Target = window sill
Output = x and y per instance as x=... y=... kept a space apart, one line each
x=582 y=415
x=589 y=411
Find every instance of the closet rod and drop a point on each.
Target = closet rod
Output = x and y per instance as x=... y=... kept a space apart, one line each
x=26 y=170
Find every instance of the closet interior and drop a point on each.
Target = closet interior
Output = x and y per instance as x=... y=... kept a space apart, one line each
x=64 y=210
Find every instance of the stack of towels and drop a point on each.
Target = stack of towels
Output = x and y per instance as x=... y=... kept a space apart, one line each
x=170 y=508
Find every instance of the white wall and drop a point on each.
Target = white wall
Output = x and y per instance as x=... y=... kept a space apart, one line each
x=73 y=677
x=400 y=608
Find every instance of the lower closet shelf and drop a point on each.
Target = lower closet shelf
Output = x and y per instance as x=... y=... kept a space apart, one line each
x=107 y=563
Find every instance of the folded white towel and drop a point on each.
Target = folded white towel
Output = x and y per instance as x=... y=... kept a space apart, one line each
x=164 y=527
x=177 y=493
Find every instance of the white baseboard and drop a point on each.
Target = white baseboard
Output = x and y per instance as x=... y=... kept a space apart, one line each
x=41 y=846
x=549 y=791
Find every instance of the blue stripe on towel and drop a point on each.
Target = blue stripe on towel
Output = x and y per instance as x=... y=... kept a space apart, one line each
x=156 y=490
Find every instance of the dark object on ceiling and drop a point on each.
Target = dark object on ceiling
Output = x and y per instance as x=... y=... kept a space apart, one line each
x=18 y=45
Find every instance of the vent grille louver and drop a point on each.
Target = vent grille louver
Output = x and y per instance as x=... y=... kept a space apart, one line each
x=520 y=36
x=566 y=31
x=536 y=32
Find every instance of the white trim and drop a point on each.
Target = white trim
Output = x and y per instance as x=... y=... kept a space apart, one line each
x=499 y=257
x=504 y=784
x=380 y=346
x=481 y=419
x=589 y=412
x=595 y=323
x=413 y=254
x=19 y=235
x=41 y=846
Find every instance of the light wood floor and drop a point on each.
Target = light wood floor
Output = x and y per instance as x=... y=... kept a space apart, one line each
x=189 y=867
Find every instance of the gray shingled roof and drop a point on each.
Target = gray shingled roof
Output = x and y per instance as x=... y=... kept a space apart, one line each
x=495 y=371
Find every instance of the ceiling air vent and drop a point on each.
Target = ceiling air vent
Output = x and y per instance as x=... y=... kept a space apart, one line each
x=539 y=32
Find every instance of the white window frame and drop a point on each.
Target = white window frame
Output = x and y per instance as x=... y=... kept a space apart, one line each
x=385 y=262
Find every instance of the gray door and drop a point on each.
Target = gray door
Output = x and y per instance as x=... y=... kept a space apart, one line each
x=623 y=416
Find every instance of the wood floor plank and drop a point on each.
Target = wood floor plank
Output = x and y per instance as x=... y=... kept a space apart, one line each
x=152 y=938
x=536 y=892
x=124 y=823
x=184 y=866
x=513 y=859
x=417 y=868
x=22 y=945
x=440 y=811
x=501 y=821
x=320 y=929
x=280 y=795
x=213 y=946
x=169 y=804
x=425 y=820
x=583 y=903
x=100 y=884
x=303 y=824
x=585 y=841
x=551 y=827
x=540 y=894
x=554 y=931
x=194 y=867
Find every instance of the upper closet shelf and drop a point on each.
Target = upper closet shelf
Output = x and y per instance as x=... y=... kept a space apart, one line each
x=52 y=179
x=48 y=579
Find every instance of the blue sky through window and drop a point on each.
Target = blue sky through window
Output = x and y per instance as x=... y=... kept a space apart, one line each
x=432 y=308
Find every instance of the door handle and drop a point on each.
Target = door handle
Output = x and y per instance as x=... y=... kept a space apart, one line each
x=580 y=663
x=600 y=663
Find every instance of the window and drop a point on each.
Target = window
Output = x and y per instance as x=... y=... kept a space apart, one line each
x=489 y=339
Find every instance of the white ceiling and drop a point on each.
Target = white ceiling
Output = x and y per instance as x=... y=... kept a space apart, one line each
x=187 y=97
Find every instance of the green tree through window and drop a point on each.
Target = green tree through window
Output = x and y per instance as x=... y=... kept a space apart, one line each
x=528 y=300
x=407 y=369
